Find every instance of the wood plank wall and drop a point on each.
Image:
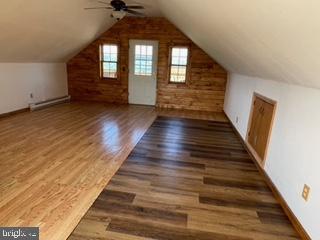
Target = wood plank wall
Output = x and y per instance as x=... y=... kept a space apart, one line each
x=204 y=90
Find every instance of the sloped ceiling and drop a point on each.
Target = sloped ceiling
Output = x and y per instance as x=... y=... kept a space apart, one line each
x=52 y=30
x=273 y=39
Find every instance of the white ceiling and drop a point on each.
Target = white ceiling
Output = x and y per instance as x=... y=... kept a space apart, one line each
x=275 y=39
x=52 y=30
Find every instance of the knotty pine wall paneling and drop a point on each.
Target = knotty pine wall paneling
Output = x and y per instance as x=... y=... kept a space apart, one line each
x=204 y=90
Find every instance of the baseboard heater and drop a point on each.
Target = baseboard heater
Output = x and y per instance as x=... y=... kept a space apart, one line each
x=48 y=103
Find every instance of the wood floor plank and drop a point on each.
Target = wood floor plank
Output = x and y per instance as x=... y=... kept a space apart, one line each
x=109 y=195
x=165 y=233
x=117 y=209
x=239 y=203
x=188 y=179
x=239 y=183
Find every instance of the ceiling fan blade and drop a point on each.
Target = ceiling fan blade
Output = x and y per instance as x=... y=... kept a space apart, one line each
x=135 y=7
x=135 y=12
x=98 y=8
x=103 y=2
x=132 y=2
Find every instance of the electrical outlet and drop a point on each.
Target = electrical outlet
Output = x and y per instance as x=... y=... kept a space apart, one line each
x=306 y=192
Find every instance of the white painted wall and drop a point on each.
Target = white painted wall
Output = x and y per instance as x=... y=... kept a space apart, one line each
x=271 y=39
x=294 y=152
x=18 y=80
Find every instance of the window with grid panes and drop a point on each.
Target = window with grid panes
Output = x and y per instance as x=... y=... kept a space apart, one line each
x=179 y=64
x=109 y=60
x=143 y=60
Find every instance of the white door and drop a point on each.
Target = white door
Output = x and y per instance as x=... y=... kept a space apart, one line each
x=143 y=61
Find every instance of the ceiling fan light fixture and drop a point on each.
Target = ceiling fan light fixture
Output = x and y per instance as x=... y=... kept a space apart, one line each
x=118 y=14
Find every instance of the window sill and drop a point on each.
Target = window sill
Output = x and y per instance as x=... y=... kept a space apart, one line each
x=178 y=83
x=110 y=81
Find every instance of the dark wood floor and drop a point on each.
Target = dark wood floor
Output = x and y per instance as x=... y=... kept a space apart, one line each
x=186 y=179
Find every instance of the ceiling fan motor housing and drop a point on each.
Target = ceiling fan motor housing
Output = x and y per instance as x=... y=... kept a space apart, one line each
x=118 y=5
x=120 y=9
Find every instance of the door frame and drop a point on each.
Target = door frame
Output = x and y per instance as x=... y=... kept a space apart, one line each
x=261 y=161
x=155 y=65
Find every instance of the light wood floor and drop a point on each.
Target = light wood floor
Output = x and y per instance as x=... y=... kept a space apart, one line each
x=55 y=162
x=186 y=180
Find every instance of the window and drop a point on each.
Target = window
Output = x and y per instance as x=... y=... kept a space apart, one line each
x=109 y=61
x=179 y=64
x=143 y=60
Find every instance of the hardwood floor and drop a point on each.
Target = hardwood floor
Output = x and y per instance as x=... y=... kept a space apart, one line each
x=188 y=180
x=55 y=162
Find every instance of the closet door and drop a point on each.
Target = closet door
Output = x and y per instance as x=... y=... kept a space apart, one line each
x=255 y=122
x=262 y=115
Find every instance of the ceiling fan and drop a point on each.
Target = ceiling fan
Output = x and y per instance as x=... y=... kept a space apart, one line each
x=120 y=9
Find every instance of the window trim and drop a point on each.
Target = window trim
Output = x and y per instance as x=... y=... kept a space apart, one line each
x=101 y=61
x=187 y=66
